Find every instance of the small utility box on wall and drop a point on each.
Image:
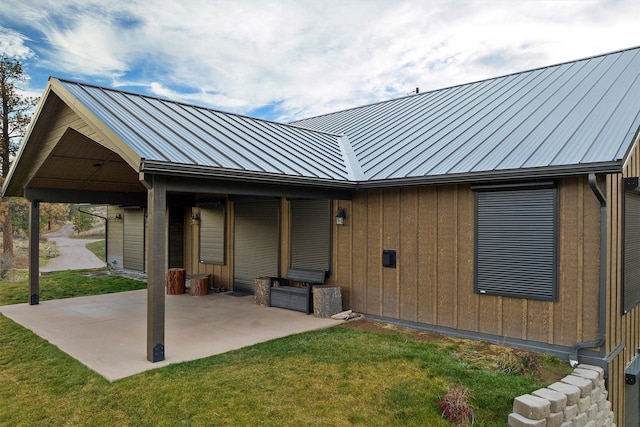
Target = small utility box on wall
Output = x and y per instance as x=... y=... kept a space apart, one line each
x=389 y=258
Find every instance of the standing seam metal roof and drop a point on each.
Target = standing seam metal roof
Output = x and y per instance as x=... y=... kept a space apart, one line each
x=584 y=112
x=165 y=131
x=576 y=113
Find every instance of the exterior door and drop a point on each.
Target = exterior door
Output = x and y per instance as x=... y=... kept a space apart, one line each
x=256 y=242
x=133 y=239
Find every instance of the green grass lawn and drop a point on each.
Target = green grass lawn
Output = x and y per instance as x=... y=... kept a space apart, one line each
x=66 y=284
x=98 y=248
x=339 y=376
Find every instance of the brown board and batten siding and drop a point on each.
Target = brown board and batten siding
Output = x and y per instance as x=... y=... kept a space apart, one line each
x=432 y=230
x=622 y=329
x=115 y=237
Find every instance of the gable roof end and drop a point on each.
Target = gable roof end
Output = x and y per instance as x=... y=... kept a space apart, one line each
x=167 y=132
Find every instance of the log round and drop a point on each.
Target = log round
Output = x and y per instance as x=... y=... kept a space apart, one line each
x=175 y=281
x=199 y=285
x=263 y=291
x=327 y=300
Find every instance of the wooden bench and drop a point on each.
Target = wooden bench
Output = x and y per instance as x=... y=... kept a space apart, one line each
x=295 y=298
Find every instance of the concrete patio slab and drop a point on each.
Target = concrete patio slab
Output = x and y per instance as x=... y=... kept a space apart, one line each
x=107 y=333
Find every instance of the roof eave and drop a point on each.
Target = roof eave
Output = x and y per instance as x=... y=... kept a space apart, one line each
x=211 y=172
x=500 y=175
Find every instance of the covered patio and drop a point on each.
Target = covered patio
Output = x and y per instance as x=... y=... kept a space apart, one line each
x=104 y=332
x=88 y=144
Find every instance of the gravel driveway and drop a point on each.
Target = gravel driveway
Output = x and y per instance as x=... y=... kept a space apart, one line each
x=73 y=252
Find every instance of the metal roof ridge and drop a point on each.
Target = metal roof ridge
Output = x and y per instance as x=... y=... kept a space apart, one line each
x=354 y=169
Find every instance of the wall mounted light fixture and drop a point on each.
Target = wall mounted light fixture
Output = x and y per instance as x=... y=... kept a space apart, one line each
x=195 y=217
x=341 y=216
x=118 y=217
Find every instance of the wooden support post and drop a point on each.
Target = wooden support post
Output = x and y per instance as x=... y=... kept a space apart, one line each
x=175 y=281
x=199 y=285
x=262 y=295
x=156 y=238
x=34 y=252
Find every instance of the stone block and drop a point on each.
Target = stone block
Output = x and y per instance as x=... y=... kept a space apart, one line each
x=599 y=397
x=592 y=412
x=566 y=424
x=601 y=419
x=583 y=384
x=572 y=392
x=597 y=369
x=557 y=400
x=588 y=374
x=570 y=412
x=532 y=407
x=590 y=424
x=580 y=421
x=604 y=405
x=555 y=419
x=517 y=420
x=584 y=403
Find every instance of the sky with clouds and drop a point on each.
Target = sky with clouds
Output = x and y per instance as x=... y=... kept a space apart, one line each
x=289 y=59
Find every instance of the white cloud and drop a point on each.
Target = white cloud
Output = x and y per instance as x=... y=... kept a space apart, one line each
x=310 y=56
x=12 y=45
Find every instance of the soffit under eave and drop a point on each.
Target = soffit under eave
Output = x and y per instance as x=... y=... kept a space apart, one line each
x=103 y=134
x=52 y=123
x=79 y=163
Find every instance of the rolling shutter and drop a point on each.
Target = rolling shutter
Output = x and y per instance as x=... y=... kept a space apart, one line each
x=516 y=243
x=310 y=234
x=212 y=235
x=134 y=239
x=256 y=244
x=631 y=295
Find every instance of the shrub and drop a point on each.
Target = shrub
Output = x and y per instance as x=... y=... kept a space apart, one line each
x=455 y=406
x=527 y=363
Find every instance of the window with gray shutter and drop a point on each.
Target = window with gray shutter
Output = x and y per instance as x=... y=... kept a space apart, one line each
x=310 y=234
x=516 y=244
x=212 y=235
x=631 y=269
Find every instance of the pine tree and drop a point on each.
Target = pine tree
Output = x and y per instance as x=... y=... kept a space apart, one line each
x=15 y=115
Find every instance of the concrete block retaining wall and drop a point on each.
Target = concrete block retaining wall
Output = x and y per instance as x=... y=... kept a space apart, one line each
x=578 y=400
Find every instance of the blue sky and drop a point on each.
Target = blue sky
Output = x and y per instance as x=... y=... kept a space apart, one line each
x=288 y=59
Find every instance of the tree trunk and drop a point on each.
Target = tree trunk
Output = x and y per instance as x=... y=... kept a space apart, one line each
x=327 y=300
x=262 y=295
x=199 y=285
x=175 y=281
x=7 y=240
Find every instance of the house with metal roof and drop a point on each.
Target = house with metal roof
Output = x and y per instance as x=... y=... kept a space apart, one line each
x=506 y=209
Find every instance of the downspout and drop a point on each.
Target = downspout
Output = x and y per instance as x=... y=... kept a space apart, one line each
x=106 y=233
x=602 y=297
